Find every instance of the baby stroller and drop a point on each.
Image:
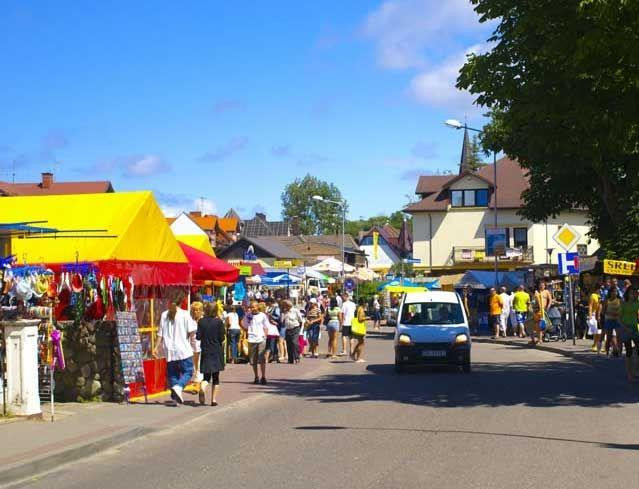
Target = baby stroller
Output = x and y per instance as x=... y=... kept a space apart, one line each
x=554 y=325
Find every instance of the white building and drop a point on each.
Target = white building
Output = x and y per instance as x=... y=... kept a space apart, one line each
x=451 y=219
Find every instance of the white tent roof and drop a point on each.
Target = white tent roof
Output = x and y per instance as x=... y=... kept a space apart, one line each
x=185 y=226
x=332 y=265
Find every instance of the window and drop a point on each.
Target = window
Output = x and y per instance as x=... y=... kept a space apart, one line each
x=481 y=198
x=469 y=198
x=432 y=313
x=520 y=236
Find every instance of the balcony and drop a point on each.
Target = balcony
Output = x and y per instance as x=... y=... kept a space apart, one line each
x=463 y=255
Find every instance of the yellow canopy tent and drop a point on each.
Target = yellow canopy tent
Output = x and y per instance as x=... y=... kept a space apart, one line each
x=140 y=232
x=398 y=289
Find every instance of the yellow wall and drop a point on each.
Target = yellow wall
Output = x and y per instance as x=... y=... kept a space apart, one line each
x=465 y=227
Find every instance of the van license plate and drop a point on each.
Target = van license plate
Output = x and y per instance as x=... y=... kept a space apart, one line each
x=434 y=353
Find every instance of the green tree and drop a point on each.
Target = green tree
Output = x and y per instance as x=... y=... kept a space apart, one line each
x=475 y=158
x=396 y=220
x=561 y=82
x=314 y=217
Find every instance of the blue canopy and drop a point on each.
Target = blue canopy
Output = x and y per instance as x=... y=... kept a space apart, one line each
x=276 y=279
x=482 y=279
x=431 y=284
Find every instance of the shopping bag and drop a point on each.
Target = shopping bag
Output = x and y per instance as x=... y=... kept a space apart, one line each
x=358 y=327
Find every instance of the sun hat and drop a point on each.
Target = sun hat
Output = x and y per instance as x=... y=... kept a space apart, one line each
x=313 y=300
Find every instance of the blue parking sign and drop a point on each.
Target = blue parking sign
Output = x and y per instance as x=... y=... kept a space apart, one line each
x=568 y=263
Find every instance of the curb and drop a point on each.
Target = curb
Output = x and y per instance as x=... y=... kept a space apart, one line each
x=580 y=357
x=38 y=466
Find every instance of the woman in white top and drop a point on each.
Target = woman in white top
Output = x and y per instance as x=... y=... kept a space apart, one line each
x=233 y=332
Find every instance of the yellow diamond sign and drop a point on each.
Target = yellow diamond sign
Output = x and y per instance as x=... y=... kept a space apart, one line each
x=566 y=237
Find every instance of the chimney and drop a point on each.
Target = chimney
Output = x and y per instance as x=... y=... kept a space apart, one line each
x=47 y=180
x=195 y=214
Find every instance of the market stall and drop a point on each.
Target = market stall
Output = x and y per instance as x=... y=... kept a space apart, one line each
x=105 y=254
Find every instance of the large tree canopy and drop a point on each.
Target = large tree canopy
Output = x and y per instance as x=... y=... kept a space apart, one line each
x=562 y=85
x=314 y=217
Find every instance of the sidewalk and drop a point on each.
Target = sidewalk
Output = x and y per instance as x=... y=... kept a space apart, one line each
x=81 y=430
x=581 y=351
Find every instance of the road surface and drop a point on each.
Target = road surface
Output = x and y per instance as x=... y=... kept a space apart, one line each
x=522 y=418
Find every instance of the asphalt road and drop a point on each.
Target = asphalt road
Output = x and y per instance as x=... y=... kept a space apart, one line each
x=523 y=418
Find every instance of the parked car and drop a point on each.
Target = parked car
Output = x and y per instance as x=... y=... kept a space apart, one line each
x=390 y=315
x=432 y=329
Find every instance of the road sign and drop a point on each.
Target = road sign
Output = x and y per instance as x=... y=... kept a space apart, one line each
x=566 y=237
x=568 y=263
x=283 y=264
x=411 y=260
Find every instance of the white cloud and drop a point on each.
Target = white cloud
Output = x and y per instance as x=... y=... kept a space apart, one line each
x=436 y=87
x=144 y=166
x=174 y=205
x=404 y=30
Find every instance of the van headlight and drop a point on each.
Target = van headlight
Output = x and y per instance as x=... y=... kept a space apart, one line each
x=461 y=338
x=404 y=339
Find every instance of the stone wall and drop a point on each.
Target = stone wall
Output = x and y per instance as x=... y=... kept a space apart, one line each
x=92 y=358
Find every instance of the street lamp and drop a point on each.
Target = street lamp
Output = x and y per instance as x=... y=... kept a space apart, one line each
x=342 y=204
x=455 y=124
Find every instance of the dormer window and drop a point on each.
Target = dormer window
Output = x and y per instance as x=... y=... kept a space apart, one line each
x=469 y=198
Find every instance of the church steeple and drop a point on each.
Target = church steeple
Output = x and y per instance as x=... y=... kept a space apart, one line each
x=464 y=162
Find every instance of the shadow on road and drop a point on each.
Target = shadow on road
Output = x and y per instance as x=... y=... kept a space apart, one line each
x=534 y=384
x=618 y=446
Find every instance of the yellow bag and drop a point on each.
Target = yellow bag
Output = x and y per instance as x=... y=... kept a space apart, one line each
x=358 y=327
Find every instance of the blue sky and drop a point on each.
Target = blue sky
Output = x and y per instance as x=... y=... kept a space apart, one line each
x=230 y=101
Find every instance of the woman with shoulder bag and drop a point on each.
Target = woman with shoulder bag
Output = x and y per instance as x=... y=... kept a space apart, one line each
x=211 y=334
x=358 y=332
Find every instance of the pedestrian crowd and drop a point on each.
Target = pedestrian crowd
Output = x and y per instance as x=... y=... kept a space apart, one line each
x=198 y=344
x=609 y=313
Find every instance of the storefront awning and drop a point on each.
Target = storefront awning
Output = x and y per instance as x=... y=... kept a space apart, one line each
x=206 y=267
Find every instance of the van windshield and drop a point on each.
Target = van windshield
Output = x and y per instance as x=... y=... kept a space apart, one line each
x=432 y=313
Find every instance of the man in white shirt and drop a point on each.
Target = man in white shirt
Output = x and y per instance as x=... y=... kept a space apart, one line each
x=176 y=332
x=345 y=319
x=256 y=325
x=505 y=311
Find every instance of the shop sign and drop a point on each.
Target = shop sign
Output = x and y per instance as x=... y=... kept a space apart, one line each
x=245 y=270
x=496 y=241
x=618 y=267
x=283 y=264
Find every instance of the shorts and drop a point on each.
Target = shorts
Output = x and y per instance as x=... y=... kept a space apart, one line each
x=271 y=343
x=313 y=333
x=256 y=353
x=522 y=317
x=358 y=336
x=377 y=315
x=332 y=325
x=212 y=378
x=283 y=332
x=495 y=319
x=611 y=325
x=346 y=331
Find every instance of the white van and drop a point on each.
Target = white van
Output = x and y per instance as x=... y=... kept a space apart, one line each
x=432 y=329
x=316 y=287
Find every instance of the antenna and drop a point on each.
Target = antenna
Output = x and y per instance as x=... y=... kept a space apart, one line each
x=13 y=174
x=202 y=205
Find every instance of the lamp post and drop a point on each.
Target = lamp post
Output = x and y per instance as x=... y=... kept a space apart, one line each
x=342 y=204
x=455 y=124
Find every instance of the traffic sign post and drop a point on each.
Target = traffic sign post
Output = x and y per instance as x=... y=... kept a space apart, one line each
x=569 y=266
